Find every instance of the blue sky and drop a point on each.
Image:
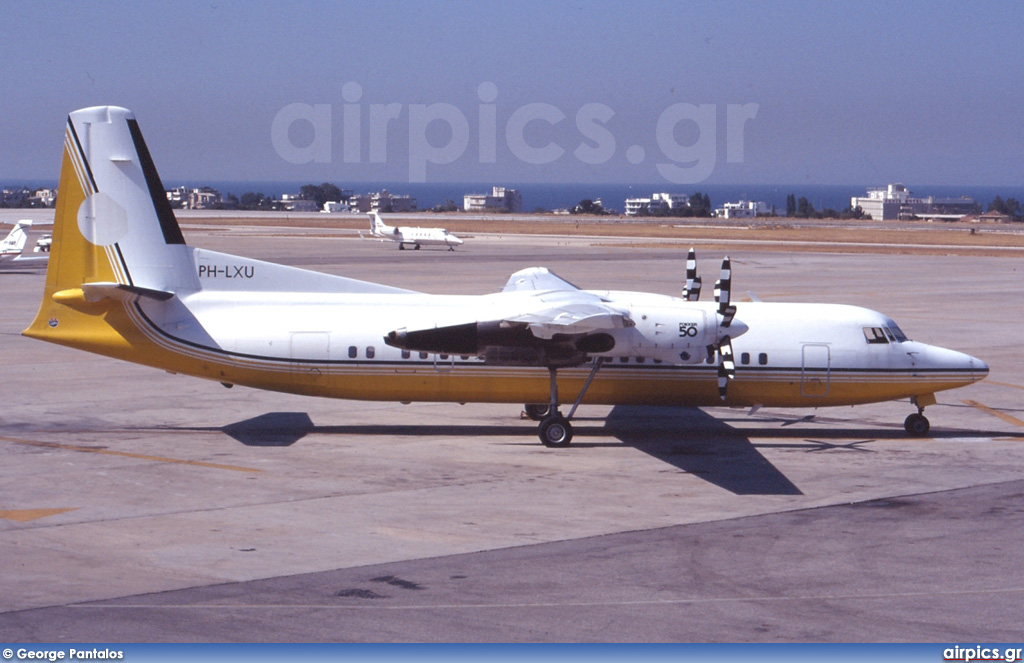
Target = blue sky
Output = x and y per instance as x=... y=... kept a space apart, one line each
x=723 y=92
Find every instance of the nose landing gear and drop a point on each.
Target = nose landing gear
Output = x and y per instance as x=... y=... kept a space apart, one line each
x=917 y=424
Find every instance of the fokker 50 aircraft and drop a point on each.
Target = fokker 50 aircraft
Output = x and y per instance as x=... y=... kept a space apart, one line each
x=122 y=282
x=415 y=236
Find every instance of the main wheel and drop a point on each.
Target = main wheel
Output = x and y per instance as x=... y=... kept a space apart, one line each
x=555 y=431
x=917 y=425
x=537 y=411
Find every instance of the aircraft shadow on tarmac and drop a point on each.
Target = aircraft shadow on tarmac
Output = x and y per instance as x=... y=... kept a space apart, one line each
x=690 y=439
x=686 y=438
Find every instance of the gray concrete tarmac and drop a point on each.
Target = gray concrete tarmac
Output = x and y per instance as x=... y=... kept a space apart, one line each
x=141 y=506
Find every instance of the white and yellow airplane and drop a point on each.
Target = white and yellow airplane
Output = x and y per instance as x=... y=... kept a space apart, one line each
x=122 y=282
x=415 y=237
x=12 y=247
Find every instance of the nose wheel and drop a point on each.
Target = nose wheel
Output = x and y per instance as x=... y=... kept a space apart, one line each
x=917 y=425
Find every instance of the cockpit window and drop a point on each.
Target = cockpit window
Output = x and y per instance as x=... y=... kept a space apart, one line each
x=875 y=335
x=895 y=331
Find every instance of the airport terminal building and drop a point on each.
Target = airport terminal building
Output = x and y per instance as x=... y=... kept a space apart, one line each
x=894 y=202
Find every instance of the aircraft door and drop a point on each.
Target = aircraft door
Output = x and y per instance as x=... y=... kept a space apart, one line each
x=814 y=378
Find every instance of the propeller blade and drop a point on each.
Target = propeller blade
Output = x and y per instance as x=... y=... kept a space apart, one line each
x=723 y=286
x=726 y=366
x=723 y=293
x=692 y=290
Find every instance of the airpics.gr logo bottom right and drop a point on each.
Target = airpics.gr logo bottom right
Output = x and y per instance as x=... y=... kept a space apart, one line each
x=980 y=653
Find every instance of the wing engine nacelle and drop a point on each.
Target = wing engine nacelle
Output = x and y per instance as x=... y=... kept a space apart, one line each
x=672 y=334
x=500 y=343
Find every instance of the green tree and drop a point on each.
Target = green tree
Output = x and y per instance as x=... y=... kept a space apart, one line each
x=804 y=208
x=700 y=205
x=320 y=193
x=791 y=205
x=997 y=205
x=588 y=206
x=1013 y=207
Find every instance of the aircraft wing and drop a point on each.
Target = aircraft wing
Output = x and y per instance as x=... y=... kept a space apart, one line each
x=553 y=328
x=572 y=318
x=536 y=278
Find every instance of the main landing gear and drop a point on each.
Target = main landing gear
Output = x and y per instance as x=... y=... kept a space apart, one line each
x=555 y=429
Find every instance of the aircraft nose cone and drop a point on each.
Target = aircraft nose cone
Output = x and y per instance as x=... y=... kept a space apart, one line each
x=971 y=368
x=979 y=369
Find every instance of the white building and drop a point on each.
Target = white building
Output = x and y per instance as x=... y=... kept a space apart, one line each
x=387 y=202
x=500 y=200
x=895 y=202
x=657 y=204
x=744 y=209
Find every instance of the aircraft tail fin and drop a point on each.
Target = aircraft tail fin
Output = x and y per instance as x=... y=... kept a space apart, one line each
x=14 y=243
x=377 y=225
x=113 y=225
x=113 y=222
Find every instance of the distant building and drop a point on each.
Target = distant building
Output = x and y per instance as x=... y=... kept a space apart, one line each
x=744 y=209
x=895 y=202
x=658 y=204
x=15 y=196
x=993 y=217
x=45 y=196
x=500 y=200
x=203 y=198
x=382 y=202
x=387 y=202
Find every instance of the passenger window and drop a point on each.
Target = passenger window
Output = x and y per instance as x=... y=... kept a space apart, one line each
x=875 y=335
x=745 y=358
x=423 y=355
x=352 y=352
x=763 y=358
x=640 y=360
x=406 y=354
x=370 y=352
x=623 y=360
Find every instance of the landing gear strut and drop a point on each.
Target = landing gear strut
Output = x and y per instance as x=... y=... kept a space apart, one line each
x=555 y=430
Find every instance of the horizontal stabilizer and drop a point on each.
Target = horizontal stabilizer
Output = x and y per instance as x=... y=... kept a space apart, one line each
x=94 y=292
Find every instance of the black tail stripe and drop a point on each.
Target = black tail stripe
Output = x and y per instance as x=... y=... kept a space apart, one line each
x=81 y=155
x=168 y=224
